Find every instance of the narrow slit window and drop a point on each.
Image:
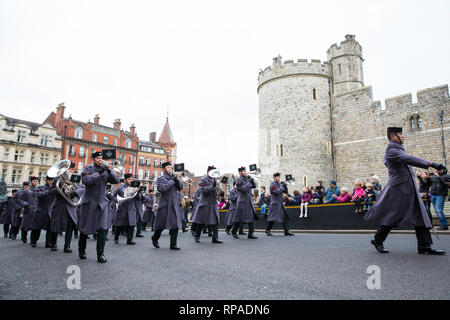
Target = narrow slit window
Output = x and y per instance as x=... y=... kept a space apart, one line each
x=314 y=94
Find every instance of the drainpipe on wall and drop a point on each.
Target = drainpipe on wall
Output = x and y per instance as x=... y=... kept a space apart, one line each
x=441 y=122
x=330 y=85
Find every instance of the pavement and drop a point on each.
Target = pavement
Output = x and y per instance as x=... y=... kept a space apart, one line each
x=301 y=267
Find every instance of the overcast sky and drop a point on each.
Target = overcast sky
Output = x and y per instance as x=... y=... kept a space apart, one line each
x=135 y=59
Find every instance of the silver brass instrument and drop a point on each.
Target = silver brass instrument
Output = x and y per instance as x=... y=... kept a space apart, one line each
x=184 y=176
x=63 y=184
x=117 y=166
x=128 y=193
x=156 y=201
x=215 y=174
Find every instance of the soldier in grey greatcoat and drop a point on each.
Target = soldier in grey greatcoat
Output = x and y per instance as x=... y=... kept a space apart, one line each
x=245 y=210
x=206 y=211
x=94 y=211
x=28 y=194
x=149 y=216
x=63 y=214
x=126 y=212
x=232 y=196
x=277 y=211
x=138 y=203
x=400 y=204
x=16 y=207
x=169 y=213
x=41 y=218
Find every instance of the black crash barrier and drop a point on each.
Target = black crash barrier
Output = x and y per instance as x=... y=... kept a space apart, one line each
x=338 y=216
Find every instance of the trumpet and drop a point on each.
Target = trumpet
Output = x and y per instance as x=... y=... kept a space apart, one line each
x=117 y=166
x=184 y=176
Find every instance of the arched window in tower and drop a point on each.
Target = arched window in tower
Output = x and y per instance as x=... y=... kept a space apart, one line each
x=314 y=94
x=412 y=123
x=281 y=150
x=79 y=132
x=340 y=69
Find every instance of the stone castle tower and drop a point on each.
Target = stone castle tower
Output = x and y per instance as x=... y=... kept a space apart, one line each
x=317 y=121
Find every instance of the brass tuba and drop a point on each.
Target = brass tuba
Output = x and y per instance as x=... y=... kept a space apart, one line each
x=215 y=174
x=63 y=184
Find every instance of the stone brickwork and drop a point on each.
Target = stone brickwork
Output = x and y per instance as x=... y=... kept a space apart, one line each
x=341 y=134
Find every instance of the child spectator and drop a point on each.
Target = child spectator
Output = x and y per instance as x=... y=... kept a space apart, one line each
x=315 y=197
x=344 y=196
x=358 y=197
x=221 y=203
x=306 y=197
x=370 y=196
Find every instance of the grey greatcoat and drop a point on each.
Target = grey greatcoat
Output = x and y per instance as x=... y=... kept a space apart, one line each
x=245 y=210
x=169 y=213
x=112 y=207
x=206 y=211
x=41 y=216
x=400 y=204
x=94 y=210
x=233 y=196
x=148 y=213
x=196 y=197
x=29 y=196
x=126 y=212
x=5 y=216
x=61 y=211
x=138 y=201
x=15 y=205
x=277 y=211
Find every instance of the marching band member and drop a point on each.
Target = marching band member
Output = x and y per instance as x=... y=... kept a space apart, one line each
x=94 y=211
x=232 y=196
x=16 y=207
x=149 y=217
x=206 y=211
x=277 y=211
x=406 y=211
x=138 y=202
x=28 y=195
x=194 y=226
x=63 y=214
x=169 y=214
x=41 y=218
x=245 y=210
x=126 y=212
x=5 y=217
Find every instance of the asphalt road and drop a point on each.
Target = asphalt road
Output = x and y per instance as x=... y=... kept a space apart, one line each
x=306 y=266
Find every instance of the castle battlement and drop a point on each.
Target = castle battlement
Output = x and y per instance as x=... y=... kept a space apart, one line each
x=348 y=47
x=292 y=68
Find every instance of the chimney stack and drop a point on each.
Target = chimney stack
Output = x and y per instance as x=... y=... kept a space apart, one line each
x=60 y=112
x=153 y=137
x=132 y=129
x=117 y=124
x=97 y=119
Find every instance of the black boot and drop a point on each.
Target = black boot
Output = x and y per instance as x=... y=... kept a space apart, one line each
x=227 y=230
x=67 y=250
x=214 y=240
x=174 y=247
x=251 y=236
x=130 y=242
x=155 y=242
x=24 y=237
x=269 y=233
x=139 y=236
x=197 y=238
x=288 y=233
x=116 y=238
x=430 y=250
x=54 y=247
x=379 y=247
x=82 y=255
x=101 y=259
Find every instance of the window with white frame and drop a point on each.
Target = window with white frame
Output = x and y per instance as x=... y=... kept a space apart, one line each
x=105 y=140
x=16 y=176
x=33 y=157
x=71 y=150
x=20 y=136
x=147 y=162
x=155 y=173
x=131 y=159
x=128 y=143
x=45 y=141
x=156 y=162
x=94 y=137
x=147 y=174
x=141 y=161
x=81 y=152
x=6 y=154
x=141 y=174
x=79 y=132
x=4 y=173
x=115 y=142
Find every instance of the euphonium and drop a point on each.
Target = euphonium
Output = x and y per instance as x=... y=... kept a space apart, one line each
x=63 y=184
